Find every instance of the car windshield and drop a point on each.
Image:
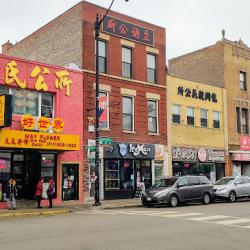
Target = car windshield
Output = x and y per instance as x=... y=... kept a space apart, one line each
x=169 y=182
x=225 y=181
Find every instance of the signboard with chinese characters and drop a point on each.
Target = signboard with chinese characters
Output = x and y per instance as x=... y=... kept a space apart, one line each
x=28 y=122
x=245 y=143
x=241 y=156
x=5 y=111
x=128 y=30
x=197 y=94
x=35 y=140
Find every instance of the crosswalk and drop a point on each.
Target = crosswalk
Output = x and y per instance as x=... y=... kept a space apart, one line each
x=225 y=220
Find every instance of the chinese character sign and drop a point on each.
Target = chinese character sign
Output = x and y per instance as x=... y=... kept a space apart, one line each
x=43 y=123
x=128 y=30
x=57 y=125
x=28 y=122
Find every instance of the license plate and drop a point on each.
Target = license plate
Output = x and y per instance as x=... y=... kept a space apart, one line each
x=148 y=199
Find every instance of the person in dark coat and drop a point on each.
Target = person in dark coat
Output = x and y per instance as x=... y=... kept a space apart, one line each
x=11 y=194
x=39 y=192
x=50 y=191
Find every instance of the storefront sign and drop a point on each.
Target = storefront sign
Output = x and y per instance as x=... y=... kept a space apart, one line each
x=245 y=143
x=57 y=125
x=198 y=154
x=130 y=151
x=197 y=94
x=43 y=123
x=28 y=122
x=40 y=75
x=35 y=140
x=159 y=152
x=241 y=157
x=5 y=111
x=128 y=30
x=184 y=154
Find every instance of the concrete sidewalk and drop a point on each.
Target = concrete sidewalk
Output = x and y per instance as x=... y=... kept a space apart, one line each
x=68 y=208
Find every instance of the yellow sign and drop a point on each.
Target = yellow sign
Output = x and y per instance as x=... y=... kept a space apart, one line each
x=35 y=140
x=43 y=123
x=2 y=109
x=57 y=125
x=28 y=122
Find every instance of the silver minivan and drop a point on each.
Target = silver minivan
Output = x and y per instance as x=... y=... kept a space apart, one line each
x=232 y=188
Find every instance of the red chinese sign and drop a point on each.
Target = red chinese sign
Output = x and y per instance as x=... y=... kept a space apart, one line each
x=28 y=122
x=128 y=30
x=43 y=123
x=245 y=143
x=241 y=157
x=57 y=125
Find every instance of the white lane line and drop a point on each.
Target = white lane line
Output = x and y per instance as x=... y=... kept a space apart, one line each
x=181 y=215
x=231 y=222
x=141 y=213
x=248 y=226
x=210 y=217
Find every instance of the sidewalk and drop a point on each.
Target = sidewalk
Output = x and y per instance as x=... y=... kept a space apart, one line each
x=68 y=208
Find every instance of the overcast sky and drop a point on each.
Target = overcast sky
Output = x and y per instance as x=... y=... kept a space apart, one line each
x=190 y=24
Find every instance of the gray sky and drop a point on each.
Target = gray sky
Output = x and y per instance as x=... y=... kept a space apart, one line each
x=190 y=24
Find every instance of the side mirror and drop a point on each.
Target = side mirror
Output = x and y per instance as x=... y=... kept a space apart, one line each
x=179 y=185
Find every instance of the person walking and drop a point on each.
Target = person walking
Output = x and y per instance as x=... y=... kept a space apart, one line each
x=50 y=191
x=11 y=194
x=39 y=192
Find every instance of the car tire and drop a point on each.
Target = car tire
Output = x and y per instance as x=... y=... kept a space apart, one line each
x=173 y=201
x=206 y=199
x=232 y=196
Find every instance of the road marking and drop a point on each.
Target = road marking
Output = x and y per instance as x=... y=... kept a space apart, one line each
x=210 y=217
x=234 y=221
x=181 y=215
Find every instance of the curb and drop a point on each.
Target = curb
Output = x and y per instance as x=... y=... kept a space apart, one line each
x=121 y=207
x=35 y=213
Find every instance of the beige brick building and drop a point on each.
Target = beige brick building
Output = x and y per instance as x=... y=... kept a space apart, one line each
x=224 y=64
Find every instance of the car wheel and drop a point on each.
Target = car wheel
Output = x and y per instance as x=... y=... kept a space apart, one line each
x=206 y=199
x=173 y=201
x=232 y=196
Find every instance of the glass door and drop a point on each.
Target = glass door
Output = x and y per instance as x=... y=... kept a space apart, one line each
x=70 y=185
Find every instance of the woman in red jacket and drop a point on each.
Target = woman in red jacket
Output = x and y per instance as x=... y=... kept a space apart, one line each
x=39 y=192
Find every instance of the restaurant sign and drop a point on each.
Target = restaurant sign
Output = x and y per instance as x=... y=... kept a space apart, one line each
x=35 y=140
x=5 y=111
x=128 y=30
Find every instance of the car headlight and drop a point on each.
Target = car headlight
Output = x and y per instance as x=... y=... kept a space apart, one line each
x=161 y=193
x=222 y=188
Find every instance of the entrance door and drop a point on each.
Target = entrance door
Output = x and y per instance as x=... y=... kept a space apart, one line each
x=70 y=183
x=26 y=172
x=144 y=172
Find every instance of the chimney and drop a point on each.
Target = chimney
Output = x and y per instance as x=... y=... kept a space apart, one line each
x=6 y=46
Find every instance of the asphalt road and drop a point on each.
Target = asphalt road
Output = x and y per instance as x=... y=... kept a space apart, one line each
x=197 y=227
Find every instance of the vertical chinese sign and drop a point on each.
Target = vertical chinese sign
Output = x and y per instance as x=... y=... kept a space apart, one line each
x=128 y=30
x=103 y=114
x=5 y=111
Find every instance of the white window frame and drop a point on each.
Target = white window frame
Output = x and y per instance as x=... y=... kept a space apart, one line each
x=173 y=113
x=202 y=118
x=193 y=109
x=217 y=120
x=157 y=116
x=133 y=114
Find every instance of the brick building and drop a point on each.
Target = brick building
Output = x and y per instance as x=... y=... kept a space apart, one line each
x=132 y=84
x=225 y=64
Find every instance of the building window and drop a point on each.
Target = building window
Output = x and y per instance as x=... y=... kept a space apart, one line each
x=238 y=120
x=244 y=121
x=47 y=105
x=4 y=90
x=158 y=171
x=204 y=118
x=190 y=116
x=176 y=114
x=216 y=119
x=128 y=113
x=102 y=57
x=104 y=110
x=151 y=68
x=243 y=81
x=152 y=117
x=126 y=62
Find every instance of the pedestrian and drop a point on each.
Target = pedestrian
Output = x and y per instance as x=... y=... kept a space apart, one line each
x=11 y=194
x=50 y=191
x=39 y=192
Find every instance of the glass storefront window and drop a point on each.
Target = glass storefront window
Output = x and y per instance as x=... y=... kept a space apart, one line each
x=5 y=160
x=126 y=174
x=158 y=171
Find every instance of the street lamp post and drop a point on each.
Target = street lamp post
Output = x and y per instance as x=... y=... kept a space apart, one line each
x=97 y=144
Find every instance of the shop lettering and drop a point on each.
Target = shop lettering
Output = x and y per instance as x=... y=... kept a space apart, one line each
x=61 y=78
x=136 y=150
x=185 y=154
x=197 y=94
x=215 y=156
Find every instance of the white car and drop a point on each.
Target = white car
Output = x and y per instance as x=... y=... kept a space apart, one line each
x=232 y=188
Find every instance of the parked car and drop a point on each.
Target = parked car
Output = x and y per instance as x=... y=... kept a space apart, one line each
x=232 y=188
x=175 y=190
